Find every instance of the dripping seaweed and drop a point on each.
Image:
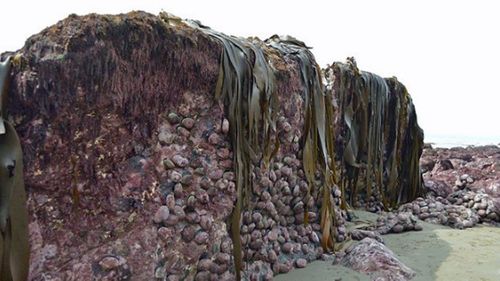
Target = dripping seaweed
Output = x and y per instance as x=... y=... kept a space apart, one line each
x=377 y=120
x=382 y=143
x=245 y=86
x=14 y=244
x=318 y=141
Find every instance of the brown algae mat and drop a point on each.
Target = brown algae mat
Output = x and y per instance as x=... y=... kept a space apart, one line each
x=435 y=253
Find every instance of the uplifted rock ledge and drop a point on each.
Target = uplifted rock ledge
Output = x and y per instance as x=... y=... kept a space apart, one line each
x=134 y=165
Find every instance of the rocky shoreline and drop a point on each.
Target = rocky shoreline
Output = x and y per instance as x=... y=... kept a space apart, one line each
x=459 y=196
x=157 y=148
x=464 y=179
x=462 y=188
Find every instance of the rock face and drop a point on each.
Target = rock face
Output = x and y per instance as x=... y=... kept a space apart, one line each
x=101 y=104
x=374 y=258
x=133 y=162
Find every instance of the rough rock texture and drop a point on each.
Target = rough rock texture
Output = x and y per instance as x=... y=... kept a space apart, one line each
x=374 y=258
x=360 y=234
x=91 y=100
x=456 y=168
x=463 y=186
x=129 y=162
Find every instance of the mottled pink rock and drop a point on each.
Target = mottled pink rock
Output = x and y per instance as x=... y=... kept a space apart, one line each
x=222 y=258
x=180 y=161
x=161 y=214
x=215 y=174
x=374 y=258
x=301 y=263
x=214 y=139
x=201 y=237
x=438 y=188
x=188 y=123
x=119 y=94
x=110 y=262
x=287 y=248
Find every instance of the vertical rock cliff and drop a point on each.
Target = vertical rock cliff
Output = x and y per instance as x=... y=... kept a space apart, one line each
x=159 y=148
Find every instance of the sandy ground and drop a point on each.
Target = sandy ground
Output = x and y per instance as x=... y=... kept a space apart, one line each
x=436 y=253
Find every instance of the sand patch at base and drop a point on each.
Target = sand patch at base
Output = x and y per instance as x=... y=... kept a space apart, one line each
x=435 y=253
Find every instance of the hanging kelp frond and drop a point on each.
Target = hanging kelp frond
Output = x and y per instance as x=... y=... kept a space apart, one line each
x=14 y=245
x=318 y=139
x=4 y=73
x=410 y=144
x=378 y=125
x=246 y=88
x=363 y=98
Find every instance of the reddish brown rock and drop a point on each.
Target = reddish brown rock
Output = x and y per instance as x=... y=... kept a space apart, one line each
x=128 y=156
x=94 y=102
x=479 y=167
x=374 y=258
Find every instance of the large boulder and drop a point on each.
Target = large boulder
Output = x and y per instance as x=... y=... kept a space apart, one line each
x=375 y=259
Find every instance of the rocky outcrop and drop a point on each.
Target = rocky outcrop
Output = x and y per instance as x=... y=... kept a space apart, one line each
x=129 y=162
x=461 y=188
x=458 y=168
x=114 y=119
x=159 y=148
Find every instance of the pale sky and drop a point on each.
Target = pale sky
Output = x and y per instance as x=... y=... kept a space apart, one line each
x=447 y=53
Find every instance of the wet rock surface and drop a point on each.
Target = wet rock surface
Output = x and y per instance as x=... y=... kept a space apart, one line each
x=397 y=223
x=129 y=167
x=476 y=168
x=129 y=164
x=464 y=193
x=458 y=195
x=375 y=259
